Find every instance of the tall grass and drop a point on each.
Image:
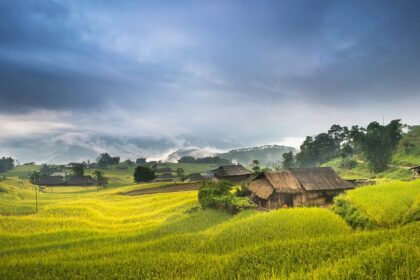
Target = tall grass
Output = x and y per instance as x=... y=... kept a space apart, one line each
x=386 y=204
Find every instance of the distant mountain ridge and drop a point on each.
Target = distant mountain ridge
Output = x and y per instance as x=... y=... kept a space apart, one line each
x=267 y=155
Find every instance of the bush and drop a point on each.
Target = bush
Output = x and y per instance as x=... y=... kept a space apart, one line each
x=217 y=195
x=242 y=190
x=348 y=163
x=143 y=174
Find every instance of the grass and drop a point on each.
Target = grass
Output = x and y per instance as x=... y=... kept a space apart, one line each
x=361 y=170
x=388 y=204
x=104 y=235
x=408 y=150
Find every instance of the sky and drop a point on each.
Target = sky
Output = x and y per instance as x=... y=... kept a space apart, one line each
x=145 y=78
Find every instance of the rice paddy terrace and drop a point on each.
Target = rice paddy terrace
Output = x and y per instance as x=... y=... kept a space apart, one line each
x=82 y=233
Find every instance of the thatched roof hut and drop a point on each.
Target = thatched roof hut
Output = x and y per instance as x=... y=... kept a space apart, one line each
x=165 y=177
x=304 y=186
x=195 y=177
x=165 y=169
x=51 y=181
x=80 y=181
x=234 y=173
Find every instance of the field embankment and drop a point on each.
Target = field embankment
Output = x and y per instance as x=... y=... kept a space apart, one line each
x=166 y=189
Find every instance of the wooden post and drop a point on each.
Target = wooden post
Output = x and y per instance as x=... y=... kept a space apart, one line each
x=36 y=201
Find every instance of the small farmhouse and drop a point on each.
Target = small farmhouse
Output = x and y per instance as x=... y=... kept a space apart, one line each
x=51 y=181
x=165 y=169
x=416 y=171
x=70 y=181
x=165 y=177
x=296 y=187
x=234 y=173
x=80 y=181
x=195 y=177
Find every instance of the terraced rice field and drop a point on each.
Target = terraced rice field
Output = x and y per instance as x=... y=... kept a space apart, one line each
x=85 y=234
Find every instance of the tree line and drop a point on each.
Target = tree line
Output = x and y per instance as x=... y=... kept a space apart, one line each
x=211 y=160
x=375 y=143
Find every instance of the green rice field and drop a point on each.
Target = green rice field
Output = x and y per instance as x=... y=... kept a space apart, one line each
x=89 y=233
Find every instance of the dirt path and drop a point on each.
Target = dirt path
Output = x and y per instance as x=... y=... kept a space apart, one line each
x=166 y=189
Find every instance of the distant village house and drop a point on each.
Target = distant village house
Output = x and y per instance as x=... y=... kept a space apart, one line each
x=165 y=177
x=233 y=173
x=66 y=181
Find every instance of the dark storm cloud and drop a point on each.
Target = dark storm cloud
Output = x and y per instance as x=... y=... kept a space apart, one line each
x=220 y=74
x=324 y=50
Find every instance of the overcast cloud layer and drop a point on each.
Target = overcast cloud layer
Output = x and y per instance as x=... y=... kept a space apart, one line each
x=143 y=78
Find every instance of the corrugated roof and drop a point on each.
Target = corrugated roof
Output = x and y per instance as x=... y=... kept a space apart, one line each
x=231 y=170
x=320 y=178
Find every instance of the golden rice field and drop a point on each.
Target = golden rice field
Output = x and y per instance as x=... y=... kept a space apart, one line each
x=88 y=234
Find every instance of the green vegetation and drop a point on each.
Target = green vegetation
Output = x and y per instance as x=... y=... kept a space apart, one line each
x=408 y=150
x=84 y=233
x=377 y=151
x=143 y=174
x=386 y=204
x=359 y=169
x=377 y=143
x=6 y=164
x=218 y=195
x=23 y=171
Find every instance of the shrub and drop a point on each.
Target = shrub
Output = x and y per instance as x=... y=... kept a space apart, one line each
x=348 y=163
x=143 y=174
x=242 y=190
x=217 y=195
x=351 y=214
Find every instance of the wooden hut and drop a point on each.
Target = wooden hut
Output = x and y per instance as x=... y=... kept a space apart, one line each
x=195 y=177
x=165 y=169
x=165 y=177
x=233 y=173
x=297 y=187
x=80 y=181
x=51 y=181
x=416 y=171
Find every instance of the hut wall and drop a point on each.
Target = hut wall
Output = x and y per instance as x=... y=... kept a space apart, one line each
x=280 y=200
x=319 y=198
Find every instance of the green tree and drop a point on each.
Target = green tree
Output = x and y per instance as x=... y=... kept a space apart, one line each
x=378 y=142
x=315 y=151
x=180 y=172
x=105 y=159
x=34 y=177
x=256 y=166
x=143 y=174
x=288 y=160
x=6 y=164
x=98 y=175
x=78 y=169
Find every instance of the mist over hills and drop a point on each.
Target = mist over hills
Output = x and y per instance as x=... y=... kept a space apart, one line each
x=267 y=155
